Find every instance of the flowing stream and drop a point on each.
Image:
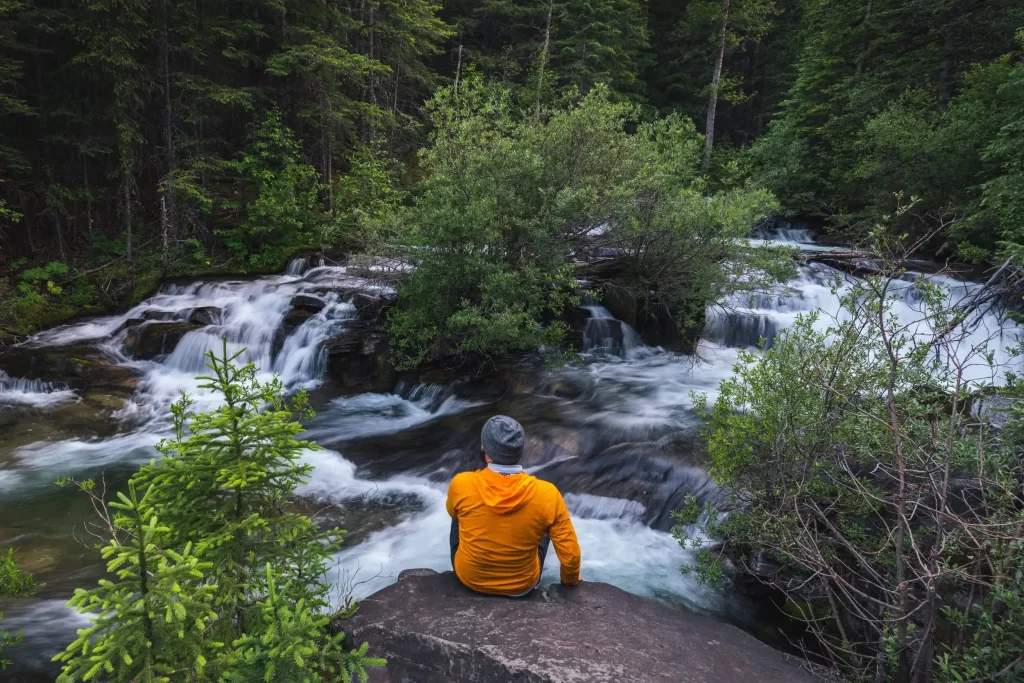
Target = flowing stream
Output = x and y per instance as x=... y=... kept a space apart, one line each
x=615 y=431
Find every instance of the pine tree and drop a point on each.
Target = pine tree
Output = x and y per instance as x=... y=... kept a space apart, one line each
x=226 y=481
x=152 y=620
x=588 y=42
x=281 y=204
x=11 y=72
x=290 y=644
x=14 y=583
x=1003 y=195
x=114 y=33
x=216 y=577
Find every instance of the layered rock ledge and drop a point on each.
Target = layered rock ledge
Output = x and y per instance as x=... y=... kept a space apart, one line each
x=433 y=630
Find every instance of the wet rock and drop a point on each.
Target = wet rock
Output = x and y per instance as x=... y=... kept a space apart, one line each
x=576 y=318
x=206 y=315
x=363 y=515
x=554 y=444
x=357 y=357
x=764 y=576
x=371 y=306
x=296 y=317
x=621 y=303
x=153 y=339
x=105 y=400
x=649 y=473
x=653 y=320
x=303 y=307
x=130 y=322
x=79 y=366
x=992 y=408
x=657 y=327
x=433 y=630
x=159 y=315
x=309 y=303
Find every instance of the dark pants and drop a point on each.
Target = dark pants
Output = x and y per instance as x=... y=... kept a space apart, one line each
x=542 y=550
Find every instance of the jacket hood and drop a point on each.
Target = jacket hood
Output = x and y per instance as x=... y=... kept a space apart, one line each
x=505 y=493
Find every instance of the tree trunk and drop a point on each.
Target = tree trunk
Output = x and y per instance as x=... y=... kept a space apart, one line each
x=373 y=75
x=60 y=238
x=709 y=128
x=946 y=75
x=458 y=66
x=88 y=198
x=902 y=517
x=164 y=225
x=28 y=224
x=544 y=56
x=127 y=209
x=168 y=196
x=864 y=39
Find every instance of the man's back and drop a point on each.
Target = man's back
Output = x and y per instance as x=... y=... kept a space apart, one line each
x=501 y=521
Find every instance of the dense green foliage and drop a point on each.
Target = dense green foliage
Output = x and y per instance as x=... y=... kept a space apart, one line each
x=873 y=498
x=213 y=577
x=14 y=583
x=512 y=197
x=144 y=139
x=918 y=97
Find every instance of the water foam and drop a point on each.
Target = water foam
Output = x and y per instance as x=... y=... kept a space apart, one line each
x=32 y=392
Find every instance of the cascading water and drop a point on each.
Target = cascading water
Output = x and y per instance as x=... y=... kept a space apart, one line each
x=31 y=392
x=604 y=334
x=614 y=431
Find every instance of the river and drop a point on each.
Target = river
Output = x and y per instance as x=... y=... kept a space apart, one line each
x=614 y=430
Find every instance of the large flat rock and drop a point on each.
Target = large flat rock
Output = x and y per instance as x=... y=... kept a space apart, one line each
x=433 y=630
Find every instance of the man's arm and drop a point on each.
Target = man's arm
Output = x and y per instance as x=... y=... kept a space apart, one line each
x=563 y=536
x=450 y=502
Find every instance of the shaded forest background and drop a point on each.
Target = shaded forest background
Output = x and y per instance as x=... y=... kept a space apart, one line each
x=147 y=138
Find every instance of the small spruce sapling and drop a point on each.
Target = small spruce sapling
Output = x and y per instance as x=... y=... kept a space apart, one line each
x=152 y=619
x=14 y=583
x=227 y=480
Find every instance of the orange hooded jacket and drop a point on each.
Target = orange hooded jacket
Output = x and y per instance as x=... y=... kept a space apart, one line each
x=502 y=518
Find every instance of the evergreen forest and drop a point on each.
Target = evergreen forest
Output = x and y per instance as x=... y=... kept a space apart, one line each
x=140 y=140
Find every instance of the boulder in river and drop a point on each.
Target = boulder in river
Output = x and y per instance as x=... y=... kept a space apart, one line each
x=303 y=307
x=357 y=357
x=305 y=302
x=155 y=314
x=205 y=315
x=433 y=630
x=153 y=339
x=653 y=320
x=78 y=366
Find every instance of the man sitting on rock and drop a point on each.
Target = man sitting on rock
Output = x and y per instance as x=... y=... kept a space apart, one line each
x=503 y=518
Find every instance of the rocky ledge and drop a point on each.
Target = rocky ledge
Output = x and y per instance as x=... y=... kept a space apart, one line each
x=432 y=630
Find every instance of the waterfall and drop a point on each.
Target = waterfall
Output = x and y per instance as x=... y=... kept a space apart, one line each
x=754 y=320
x=604 y=334
x=31 y=392
x=603 y=507
x=297 y=266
